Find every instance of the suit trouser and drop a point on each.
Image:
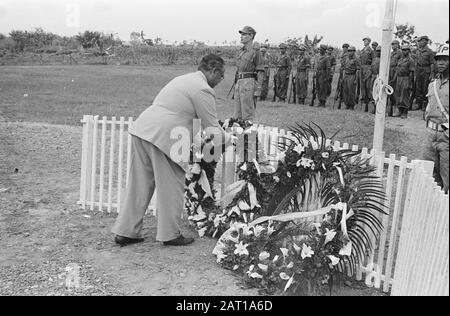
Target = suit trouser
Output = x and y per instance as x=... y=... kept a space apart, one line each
x=436 y=150
x=150 y=168
x=244 y=107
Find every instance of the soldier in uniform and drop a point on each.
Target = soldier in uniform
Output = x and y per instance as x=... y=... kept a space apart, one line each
x=424 y=64
x=351 y=72
x=366 y=76
x=302 y=77
x=332 y=68
x=249 y=76
x=396 y=54
x=283 y=69
x=375 y=72
x=322 y=75
x=405 y=81
x=265 y=62
x=344 y=52
x=436 y=115
x=374 y=49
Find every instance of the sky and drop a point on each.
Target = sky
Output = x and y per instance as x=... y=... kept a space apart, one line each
x=214 y=21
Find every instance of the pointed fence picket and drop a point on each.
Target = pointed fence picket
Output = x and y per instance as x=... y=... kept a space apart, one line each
x=403 y=261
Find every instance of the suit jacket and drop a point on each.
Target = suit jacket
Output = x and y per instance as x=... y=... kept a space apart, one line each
x=171 y=116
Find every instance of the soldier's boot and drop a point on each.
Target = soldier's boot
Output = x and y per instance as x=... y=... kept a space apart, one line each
x=366 y=107
x=404 y=113
x=416 y=106
x=322 y=104
x=301 y=101
x=396 y=112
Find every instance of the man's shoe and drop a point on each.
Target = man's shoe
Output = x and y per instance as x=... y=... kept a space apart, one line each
x=123 y=241
x=179 y=241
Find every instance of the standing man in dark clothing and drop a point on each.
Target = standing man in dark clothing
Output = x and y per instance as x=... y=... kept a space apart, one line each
x=322 y=75
x=283 y=69
x=424 y=63
x=375 y=72
x=265 y=62
x=351 y=72
x=249 y=76
x=332 y=68
x=396 y=54
x=303 y=66
x=366 y=75
x=405 y=81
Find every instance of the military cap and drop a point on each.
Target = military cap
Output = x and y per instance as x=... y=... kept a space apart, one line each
x=323 y=46
x=367 y=38
x=352 y=48
x=345 y=45
x=330 y=48
x=375 y=44
x=423 y=38
x=378 y=48
x=282 y=45
x=395 y=42
x=406 y=47
x=247 y=30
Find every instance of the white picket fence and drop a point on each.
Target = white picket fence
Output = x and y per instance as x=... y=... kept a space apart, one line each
x=106 y=161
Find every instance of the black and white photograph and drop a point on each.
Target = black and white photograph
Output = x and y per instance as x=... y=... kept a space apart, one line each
x=224 y=155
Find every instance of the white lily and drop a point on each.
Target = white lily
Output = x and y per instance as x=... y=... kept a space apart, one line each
x=258 y=229
x=263 y=267
x=285 y=252
x=202 y=231
x=346 y=250
x=297 y=248
x=235 y=267
x=241 y=249
x=290 y=265
x=247 y=231
x=250 y=269
x=243 y=206
x=199 y=155
x=299 y=149
x=326 y=155
x=288 y=284
x=218 y=220
x=264 y=255
x=236 y=210
x=275 y=259
x=281 y=156
x=307 y=251
x=221 y=256
x=198 y=217
x=256 y=275
x=270 y=229
x=252 y=195
x=288 y=174
x=244 y=167
x=334 y=260
x=256 y=166
x=330 y=234
x=276 y=178
x=196 y=169
x=314 y=144
x=284 y=276
x=305 y=163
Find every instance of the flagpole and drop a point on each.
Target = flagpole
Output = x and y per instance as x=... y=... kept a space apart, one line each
x=388 y=27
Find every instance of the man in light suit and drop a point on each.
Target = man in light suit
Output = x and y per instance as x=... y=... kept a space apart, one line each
x=158 y=134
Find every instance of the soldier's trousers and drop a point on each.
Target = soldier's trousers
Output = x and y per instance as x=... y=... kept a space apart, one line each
x=244 y=107
x=392 y=83
x=282 y=79
x=349 y=90
x=422 y=82
x=322 y=86
x=264 y=88
x=436 y=150
x=366 y=80
x=151 y=169
x=403 y=92
x=302 y=84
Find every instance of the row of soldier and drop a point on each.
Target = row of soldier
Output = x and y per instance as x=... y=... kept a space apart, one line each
x=409 y=75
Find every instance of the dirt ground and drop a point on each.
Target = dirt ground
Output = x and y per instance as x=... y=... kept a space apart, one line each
x=45 y=236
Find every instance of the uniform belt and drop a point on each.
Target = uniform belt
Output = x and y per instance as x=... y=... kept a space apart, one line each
x=245 y=75
x=435 y=126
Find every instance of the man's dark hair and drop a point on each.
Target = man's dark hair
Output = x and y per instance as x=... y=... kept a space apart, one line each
x=210 y=62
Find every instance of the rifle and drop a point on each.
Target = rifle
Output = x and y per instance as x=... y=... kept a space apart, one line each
x=314 y=91
x=413 y=95
x=358 y=87
x=338 y=94
x=293 y=90
x=232 y=87
x=274 y=86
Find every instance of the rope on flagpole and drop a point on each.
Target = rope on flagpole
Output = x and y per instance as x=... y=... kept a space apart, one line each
x=378 y=87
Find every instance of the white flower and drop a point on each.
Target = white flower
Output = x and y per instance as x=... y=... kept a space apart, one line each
x=284 y=251
x=299 y=148
x=346 y=250
x=250 y=269
x=314 y=145
x=276 y=178
x=218 y=219
x=196 y=169
x=256 y=275
x=234 y=209
x=244 y=167
x=263 y=267
x=305 y=163
x=290 y=265
x=239 y=130
x=241 y=249
x=307 y=251
x=258 y=229
x=297 y=248
x=325 y=155
x=281 y=156
x=270 y=229
x=220 y=256
x=284 y=276
x=264 y=255
x=329 y=235
x=199 y=155
x=243 y=205
x=288 y=284
x=334 y=260
x=202 y=231
x=313 y=166
x=275 y=259
x=288 y=174
x=246 y=230
x=236 y=267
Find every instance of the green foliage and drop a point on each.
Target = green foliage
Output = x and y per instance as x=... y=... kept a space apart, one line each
x=405 y=33
x=31 y=39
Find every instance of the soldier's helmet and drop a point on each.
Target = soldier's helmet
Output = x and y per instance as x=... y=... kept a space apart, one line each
x=345 y=45
x=367 y=38
x=442 y=51
x=330 y=48
x=395 y=42
x=375 y=44
x=378 y=48
x=323 y=46
x=424 y=37
x=282 y=46
x=247 y=30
